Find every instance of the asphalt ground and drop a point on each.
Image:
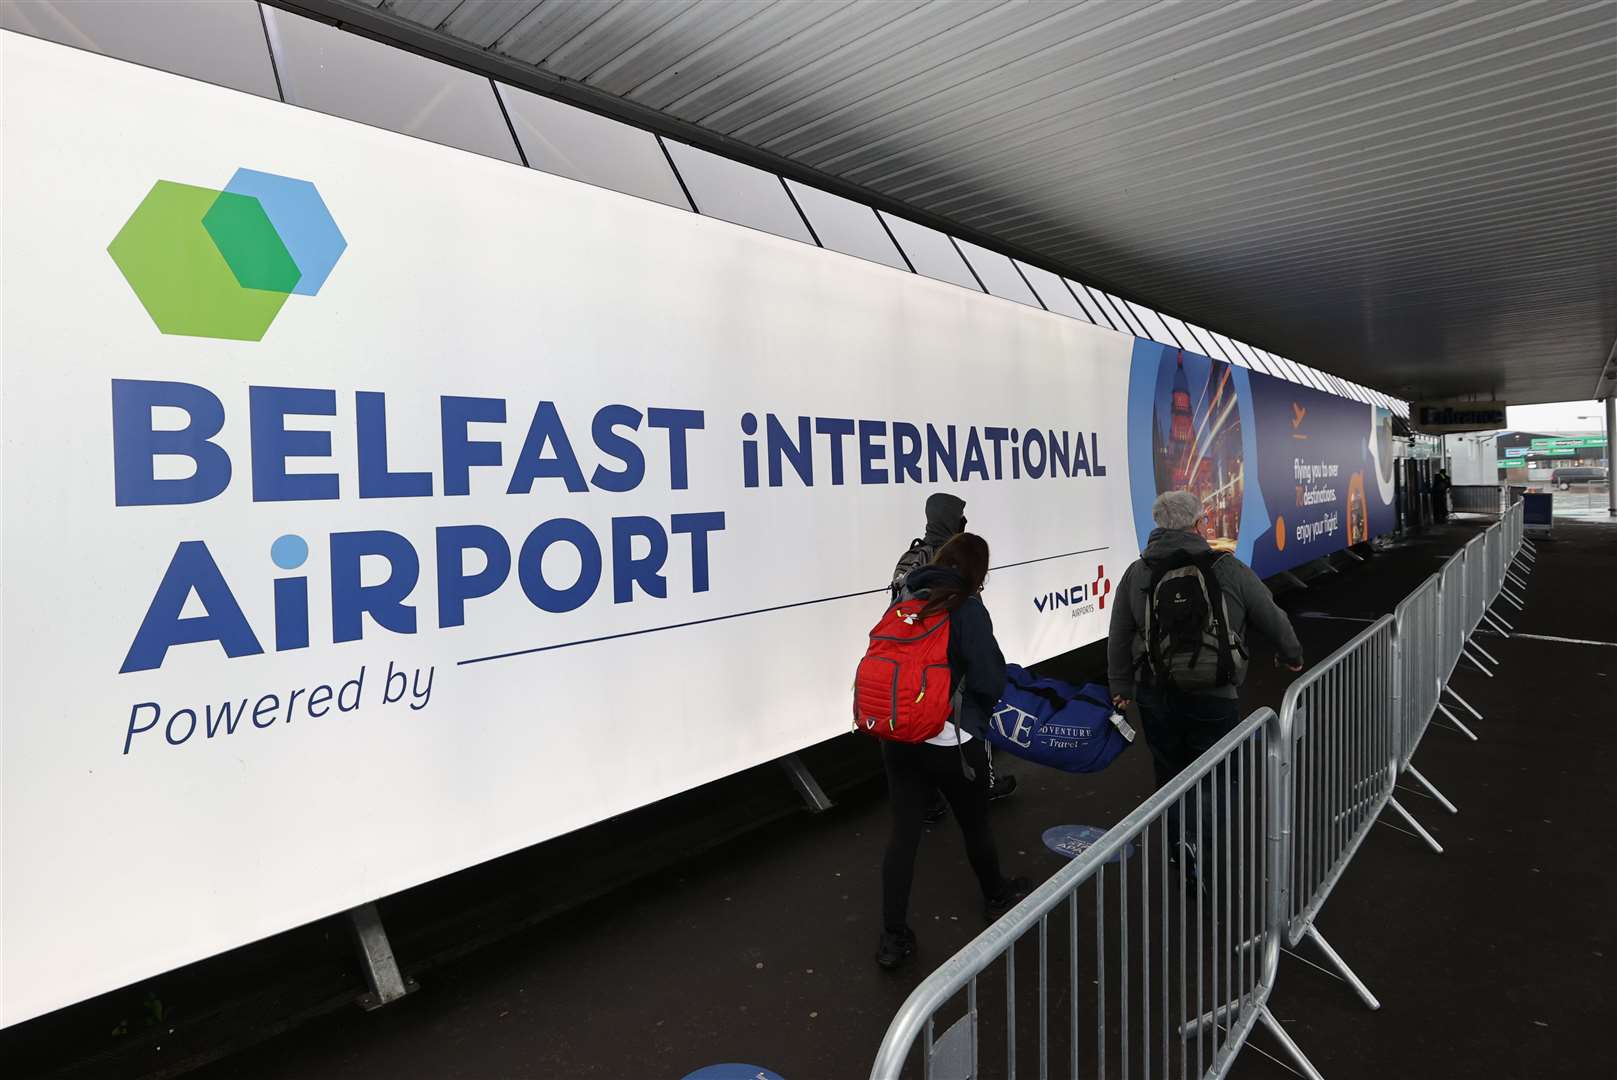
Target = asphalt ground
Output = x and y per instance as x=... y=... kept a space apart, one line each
x=1492 y=960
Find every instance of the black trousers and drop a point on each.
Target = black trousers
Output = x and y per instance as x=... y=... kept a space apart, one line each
x=915 y=775
x=1180 y=728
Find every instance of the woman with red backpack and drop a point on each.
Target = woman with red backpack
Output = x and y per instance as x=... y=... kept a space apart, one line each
x=952 y=761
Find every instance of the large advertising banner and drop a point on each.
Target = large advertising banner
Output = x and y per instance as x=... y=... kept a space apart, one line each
x=372 y=509
x=1286 y=473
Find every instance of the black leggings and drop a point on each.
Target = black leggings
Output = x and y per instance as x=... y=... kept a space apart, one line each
x=915 y=774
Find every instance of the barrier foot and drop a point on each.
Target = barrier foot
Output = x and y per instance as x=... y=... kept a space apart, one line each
x=387 y=984
x=1338 y=963
x=1431 y=790
x=1272 y=1025
x=1486 y=655
x=1451 y=692
x=1431 y=841
x=1478 y=664
x=1455 y=720
x=1497 y=623
x=814 y=796
x=1519 y=582
x=1501 y=620
x=1512 y=599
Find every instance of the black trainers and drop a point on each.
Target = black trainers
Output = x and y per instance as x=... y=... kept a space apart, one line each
x=1016 y=890
x=895 y=948
x=937 y=811
x=1002 y=787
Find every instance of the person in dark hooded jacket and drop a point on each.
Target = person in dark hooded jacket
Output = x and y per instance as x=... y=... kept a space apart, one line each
x=954 y=762
x=945 y=519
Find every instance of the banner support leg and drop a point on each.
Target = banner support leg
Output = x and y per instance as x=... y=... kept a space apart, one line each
x=1291 y=579
x=814 y=796
x=387 y=983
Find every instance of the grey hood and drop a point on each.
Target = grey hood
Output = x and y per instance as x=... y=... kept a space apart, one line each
x=945 y=518
x=1166 y=542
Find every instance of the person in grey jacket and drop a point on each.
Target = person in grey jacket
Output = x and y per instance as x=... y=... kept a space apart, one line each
x=1180 y=727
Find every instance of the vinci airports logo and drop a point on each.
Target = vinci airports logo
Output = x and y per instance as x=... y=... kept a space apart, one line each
x=220 y=264
x=1082 y=599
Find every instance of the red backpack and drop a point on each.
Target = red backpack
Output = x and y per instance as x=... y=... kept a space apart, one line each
x=902 y=690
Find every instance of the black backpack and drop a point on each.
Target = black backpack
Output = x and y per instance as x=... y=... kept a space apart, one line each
x=1187 y=643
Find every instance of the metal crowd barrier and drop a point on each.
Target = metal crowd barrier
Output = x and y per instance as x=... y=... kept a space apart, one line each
x=1476 y=498
x=1517 y=555
x=1418 y=633
x=1162 y=930
x=1344 y=729
x=1194 y=894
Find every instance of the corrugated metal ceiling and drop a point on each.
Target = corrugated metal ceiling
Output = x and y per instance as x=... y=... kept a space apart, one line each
x=1418 y=195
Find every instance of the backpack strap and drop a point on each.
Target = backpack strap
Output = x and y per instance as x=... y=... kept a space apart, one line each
x=918 y=554
x=959 y=743
x=1218 y=613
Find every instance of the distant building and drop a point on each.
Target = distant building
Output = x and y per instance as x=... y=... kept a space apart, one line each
x=1530 y=455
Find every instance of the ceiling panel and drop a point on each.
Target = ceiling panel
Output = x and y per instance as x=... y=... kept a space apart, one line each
x=1416 y=194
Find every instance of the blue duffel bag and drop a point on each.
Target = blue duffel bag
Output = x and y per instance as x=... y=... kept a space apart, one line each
x=1054 y=723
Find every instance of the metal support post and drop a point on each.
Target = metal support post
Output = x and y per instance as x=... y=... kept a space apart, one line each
x=1409 y=820
x=387 y=984
x=814 y=796
x=1431 y=790
x=1451 y=692
x=1341 y=966
x=1292 y=1050
x=1611 y=473
x=1455 y=720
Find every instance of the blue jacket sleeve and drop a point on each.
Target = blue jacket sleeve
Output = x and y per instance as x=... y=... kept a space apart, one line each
x=978 y=663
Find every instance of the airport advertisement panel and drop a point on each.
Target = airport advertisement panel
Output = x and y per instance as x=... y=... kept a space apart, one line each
x=372 y=509
x=1286 y=473
x=460 y=506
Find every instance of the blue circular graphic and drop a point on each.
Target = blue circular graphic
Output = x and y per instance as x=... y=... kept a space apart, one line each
x=289 y=552
x=1071 y=841
x=733 y=1071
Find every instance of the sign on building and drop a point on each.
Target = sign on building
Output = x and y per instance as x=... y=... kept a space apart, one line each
x=1451 y=417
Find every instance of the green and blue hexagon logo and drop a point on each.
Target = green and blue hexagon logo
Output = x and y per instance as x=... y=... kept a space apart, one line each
x=220 y=264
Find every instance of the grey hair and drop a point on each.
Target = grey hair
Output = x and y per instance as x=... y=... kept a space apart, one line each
x=1177 y=510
